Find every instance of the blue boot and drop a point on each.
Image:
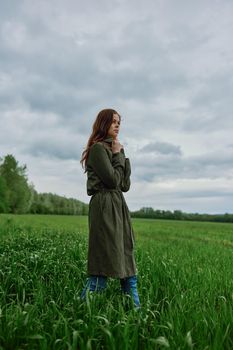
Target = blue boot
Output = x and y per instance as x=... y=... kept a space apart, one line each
x=129 y=286
x=94 y=284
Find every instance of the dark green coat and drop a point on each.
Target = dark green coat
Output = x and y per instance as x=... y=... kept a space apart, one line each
x=111 y=238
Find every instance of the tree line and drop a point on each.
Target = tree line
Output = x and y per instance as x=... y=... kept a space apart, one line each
x=17 y=196
x=150 y=213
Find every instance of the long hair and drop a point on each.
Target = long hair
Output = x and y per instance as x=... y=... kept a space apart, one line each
x=99 y=131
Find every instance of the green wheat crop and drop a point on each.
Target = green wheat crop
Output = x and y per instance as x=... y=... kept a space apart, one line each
x=185 y=272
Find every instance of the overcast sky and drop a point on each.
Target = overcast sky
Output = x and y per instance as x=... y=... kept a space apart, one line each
x=165 y=66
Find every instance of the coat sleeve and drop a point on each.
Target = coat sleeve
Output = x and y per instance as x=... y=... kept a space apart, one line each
x=110 y=173
x=126 y=179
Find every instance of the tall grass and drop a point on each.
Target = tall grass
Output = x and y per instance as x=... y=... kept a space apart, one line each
x=185 y=286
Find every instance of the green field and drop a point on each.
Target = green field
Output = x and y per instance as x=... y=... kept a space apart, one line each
x=185 y=272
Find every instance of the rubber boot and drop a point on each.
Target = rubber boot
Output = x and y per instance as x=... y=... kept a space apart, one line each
x=129 y=286
x=94 y=284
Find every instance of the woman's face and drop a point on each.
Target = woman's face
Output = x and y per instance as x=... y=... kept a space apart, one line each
x=115 y=126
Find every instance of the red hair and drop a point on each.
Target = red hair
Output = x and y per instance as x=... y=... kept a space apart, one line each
x=99 y=131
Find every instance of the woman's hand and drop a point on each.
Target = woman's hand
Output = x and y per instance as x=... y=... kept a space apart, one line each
x=116 y=146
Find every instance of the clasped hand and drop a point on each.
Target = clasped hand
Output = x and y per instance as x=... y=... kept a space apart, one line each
x=116 y=146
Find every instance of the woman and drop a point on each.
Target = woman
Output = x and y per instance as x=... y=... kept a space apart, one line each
x=111 y=238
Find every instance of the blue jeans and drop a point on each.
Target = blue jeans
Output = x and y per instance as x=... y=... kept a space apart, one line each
x=99 y=283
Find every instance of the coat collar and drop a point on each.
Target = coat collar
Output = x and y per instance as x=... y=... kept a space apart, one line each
x=108 y=139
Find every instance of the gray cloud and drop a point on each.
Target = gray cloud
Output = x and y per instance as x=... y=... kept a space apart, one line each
x=166 y=67
x=162 y=148
x=54 y=148
x=172 y=166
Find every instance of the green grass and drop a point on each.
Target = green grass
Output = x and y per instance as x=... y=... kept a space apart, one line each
x=185 y=285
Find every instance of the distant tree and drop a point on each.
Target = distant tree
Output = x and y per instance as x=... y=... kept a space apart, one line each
x=3 y=195
x=147 y=212
x=49 y=203
x=177 y=215
x=18 y=191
